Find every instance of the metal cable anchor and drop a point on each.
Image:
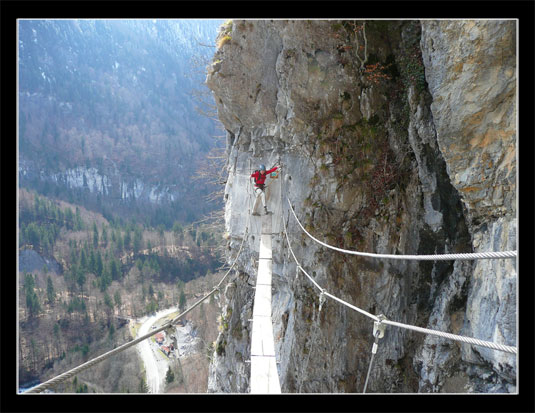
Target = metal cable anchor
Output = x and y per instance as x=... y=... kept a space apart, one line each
x=322 y=299
x=378 y=331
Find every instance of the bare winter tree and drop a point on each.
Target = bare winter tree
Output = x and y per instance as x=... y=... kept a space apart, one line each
x=211 y=169
x=205 y=104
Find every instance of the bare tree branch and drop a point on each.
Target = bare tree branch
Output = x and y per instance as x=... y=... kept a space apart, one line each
x=361 y=29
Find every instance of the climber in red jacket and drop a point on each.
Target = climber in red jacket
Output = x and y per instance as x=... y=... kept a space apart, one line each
x=260 y=176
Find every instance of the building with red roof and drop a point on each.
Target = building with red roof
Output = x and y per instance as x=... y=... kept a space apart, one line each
x=160 y=337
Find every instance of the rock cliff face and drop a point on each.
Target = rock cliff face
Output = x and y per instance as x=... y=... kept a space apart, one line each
x=395 y=137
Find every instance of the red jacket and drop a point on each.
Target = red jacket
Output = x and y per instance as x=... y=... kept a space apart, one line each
x=260 y=179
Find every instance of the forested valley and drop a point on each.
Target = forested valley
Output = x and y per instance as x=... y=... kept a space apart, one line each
x=83 y=277
x=118 y=217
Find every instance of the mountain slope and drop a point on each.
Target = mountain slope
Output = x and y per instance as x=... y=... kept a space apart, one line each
x=107 y=114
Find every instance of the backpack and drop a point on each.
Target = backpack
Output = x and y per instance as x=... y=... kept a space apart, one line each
x=261 y=186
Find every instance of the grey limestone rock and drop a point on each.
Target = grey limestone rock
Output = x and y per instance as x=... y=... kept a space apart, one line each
x=294 y=92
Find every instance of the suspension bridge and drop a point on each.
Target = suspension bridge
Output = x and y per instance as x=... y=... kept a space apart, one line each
x=264 y=378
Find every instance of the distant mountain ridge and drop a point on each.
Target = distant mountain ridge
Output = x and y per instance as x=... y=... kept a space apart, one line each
x=106 y=115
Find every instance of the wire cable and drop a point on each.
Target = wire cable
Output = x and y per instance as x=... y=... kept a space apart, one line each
x=469 y=340
x=436 y=257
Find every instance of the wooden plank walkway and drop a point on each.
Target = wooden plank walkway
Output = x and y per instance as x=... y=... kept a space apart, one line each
x=264 y=375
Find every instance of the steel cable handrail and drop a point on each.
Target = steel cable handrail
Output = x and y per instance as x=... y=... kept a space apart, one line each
x=436 y=257
x=469 y=340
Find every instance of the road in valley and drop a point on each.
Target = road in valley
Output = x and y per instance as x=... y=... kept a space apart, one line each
x=155 y=362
